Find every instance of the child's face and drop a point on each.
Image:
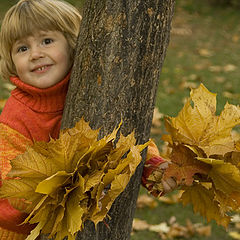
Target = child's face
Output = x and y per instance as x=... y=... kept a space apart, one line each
x=42 y=59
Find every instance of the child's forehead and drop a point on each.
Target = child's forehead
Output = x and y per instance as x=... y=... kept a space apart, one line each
x=23 y=28
x=20 y=36
x=39 y=34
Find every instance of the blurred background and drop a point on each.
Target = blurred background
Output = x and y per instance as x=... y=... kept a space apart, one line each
x=204 y=48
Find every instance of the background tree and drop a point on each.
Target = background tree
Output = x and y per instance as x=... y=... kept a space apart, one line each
x=119 y=55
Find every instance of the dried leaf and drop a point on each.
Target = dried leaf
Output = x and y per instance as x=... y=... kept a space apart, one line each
x=205 y=52
x=139 y=225
x=200 y=126
x=229 y=68
x=204 y=231
x=160 y=228
x=203 y=203
x=145 y=200
x=184 y=166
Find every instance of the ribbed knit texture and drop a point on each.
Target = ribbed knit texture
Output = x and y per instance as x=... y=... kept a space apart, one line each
x=35 y=113
x=7 y=235
x=30 y=114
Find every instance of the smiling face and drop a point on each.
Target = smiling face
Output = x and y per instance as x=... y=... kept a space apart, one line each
x=42 y=59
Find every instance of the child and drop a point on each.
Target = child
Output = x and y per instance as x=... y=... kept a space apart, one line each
x=37 y=42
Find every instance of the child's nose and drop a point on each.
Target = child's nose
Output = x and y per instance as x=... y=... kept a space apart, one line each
x=36 y=53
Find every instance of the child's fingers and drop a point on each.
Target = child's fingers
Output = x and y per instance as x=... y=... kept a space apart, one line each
x=169 y=185
x=163 y=165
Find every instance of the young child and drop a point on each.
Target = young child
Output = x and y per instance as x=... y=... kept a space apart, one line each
x=37 y=42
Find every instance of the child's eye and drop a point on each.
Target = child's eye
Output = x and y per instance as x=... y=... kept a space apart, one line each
x=22 y=49
x=47 y=41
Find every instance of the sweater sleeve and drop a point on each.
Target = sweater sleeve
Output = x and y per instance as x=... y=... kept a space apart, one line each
x=12 y=144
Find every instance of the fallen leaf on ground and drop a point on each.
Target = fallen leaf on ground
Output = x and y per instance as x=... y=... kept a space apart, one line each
x=160 y=228
x=145 y=200
x=215 y=68
x=181 y=31
x=229 y=68
x=139 y=225
x=205 y=52
x=204 y=230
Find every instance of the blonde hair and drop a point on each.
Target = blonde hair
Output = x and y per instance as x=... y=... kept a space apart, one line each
x=29 y=16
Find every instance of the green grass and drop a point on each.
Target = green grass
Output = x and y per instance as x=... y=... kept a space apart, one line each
x=197 y=28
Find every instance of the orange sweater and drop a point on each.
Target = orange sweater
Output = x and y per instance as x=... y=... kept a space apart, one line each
x=30 y=114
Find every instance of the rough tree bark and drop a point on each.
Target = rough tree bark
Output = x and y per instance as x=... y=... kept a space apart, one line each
x=119 y=55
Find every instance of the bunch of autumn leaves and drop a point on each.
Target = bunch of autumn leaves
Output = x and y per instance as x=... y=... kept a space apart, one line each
x=205 y=158
x=72 y=179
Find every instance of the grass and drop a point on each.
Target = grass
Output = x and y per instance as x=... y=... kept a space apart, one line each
x=204 y=48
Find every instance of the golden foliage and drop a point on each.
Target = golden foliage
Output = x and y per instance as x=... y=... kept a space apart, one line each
x=204 y=157
x=72 y=179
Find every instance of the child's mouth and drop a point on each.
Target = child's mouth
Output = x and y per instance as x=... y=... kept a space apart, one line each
x=41 y=69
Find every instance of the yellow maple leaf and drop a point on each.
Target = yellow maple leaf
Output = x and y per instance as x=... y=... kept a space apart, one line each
x=198 y=125
x=72 y=179
x=203 y=203
x=225 y=176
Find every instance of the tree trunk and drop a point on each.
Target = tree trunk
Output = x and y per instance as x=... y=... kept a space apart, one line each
x=119 y=55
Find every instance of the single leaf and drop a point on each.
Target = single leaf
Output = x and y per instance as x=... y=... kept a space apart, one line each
x=50 y=184
x=227 y=202
x=184 y=165
x=35 y=232
x=74 y=212
x=17 y=188
x=225 y=176
x=204 y=203
x=38 y=167
x=198 y=125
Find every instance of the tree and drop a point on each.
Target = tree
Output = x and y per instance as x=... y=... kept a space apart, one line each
x=119 y=55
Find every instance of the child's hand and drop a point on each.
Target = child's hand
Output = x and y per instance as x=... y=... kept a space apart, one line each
x=152 y=177
x=169 y=184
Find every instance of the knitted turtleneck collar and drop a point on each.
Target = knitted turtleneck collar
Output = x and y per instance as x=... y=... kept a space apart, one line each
x=41 y=100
